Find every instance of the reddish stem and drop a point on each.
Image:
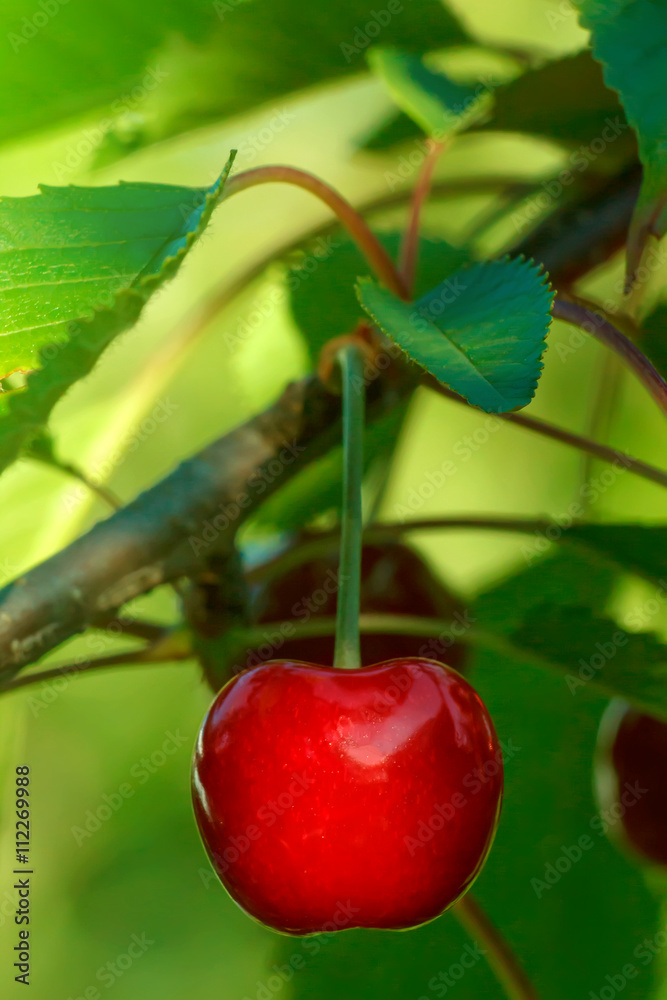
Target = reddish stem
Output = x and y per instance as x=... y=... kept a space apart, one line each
x=410 y=248
x=356 y=225
x=597 y=326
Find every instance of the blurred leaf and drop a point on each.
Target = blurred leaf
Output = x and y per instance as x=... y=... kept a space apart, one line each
x=64 y=59
x=97 y=255
x=322 y=297
x=594 y=912
x=435 y=102
x=591 y=649
x=638 y=548
x=629 y=38
x=654 y=338
x=263 y=51
x=482 y=331
x=565 y=100
x=317 y=489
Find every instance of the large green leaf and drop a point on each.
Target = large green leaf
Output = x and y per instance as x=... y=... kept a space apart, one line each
x=104 y=252
x=482 y=331
x=593 y=912
x=434 y=101
x=629 y=38
x=152 y=70
x=63 y=59
x=321 y=288
x=68 y=252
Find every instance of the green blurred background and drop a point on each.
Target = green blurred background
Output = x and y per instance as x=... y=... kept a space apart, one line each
x=144 y=871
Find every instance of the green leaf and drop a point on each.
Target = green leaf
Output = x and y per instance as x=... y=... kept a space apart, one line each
x=629 y=38
x=63 y=59
x=589 y=913
x=592 y=649
x=565 y=101
x=152 y=70
x=654 y=338
x=116 y=247
x=321 y=288
x=68 y=252
x=437 y=104
x=637 y=548
x=482 y=331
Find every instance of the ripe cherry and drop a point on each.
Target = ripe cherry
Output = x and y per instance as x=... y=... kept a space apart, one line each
x=331 y=798
x=631 y=780
x=395 y=580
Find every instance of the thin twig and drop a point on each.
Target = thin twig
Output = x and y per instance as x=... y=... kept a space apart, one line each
x=499 y=955
x=410 y=248
x=603 y=330
x=602 y=451
x=102 y=663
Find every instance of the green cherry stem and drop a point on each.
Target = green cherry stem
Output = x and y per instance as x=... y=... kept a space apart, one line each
x=347 y=652
x=501 y=959
x=356 y=225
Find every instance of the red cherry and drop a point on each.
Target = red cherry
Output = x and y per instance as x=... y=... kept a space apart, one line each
x=347 y=798
x=394 y=580
x=631 y=780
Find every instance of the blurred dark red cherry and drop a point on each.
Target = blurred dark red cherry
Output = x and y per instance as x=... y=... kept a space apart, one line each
x=631 y=780
x=330 y=798
x=394 y=580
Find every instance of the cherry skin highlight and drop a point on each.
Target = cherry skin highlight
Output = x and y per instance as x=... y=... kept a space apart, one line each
x=631 y=780
x=330 y=799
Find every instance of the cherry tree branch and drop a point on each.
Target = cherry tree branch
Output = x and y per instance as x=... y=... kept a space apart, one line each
x=169 y=530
